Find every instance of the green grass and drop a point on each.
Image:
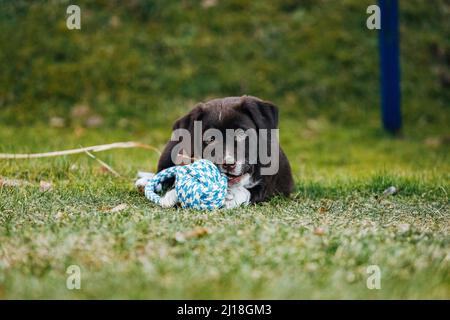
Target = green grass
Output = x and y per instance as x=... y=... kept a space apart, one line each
x=140 y=65
x=265 y=251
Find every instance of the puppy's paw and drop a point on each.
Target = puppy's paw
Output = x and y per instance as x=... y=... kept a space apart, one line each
x=144 y=177
x=169 y=200
x=237 y=196
x=140 y=184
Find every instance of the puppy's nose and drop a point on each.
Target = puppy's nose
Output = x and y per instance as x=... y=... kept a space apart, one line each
x=229 y=166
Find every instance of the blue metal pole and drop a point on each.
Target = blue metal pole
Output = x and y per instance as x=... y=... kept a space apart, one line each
x=390 y=66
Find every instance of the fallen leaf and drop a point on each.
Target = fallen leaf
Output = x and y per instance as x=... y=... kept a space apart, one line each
x=191 y=234
x=118 y=208
x=94 y=121
x=403 y=227
x=80 y=111
x=435 y=142
x=390 y=191
x=59 y=215
x=45 y=186
x=323 y=209
x=319 y=231
x=57 y=122
x=5 y=182
x=209 y=3
x=102 y=170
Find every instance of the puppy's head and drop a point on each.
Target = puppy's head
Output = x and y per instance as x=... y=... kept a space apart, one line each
x=228 y=125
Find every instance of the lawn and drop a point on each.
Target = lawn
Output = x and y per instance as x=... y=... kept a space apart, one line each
x=316 y=245
x=136 y=66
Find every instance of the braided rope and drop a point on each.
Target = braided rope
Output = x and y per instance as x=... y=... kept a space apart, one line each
x=199 y=185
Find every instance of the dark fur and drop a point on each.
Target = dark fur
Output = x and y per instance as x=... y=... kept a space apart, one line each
x=233 y=113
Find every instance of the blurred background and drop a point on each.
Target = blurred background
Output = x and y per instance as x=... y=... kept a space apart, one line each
x=135 y=66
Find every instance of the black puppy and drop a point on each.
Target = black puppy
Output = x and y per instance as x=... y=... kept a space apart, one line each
x=240 y=114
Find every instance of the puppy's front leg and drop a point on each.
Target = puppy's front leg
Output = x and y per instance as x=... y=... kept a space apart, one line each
x=236 y=196
x=170 y=199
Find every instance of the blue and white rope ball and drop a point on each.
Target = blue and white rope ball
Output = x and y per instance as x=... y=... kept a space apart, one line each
x=199 y=185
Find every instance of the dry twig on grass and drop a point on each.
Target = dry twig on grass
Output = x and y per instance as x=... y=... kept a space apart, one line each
x=102 y=147
x=103 y=164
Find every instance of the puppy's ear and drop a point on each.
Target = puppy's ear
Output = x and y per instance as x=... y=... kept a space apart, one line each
x=187 y=122
x=263 y=113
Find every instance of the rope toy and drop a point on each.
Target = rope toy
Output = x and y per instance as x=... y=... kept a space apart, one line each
x=199 y=185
